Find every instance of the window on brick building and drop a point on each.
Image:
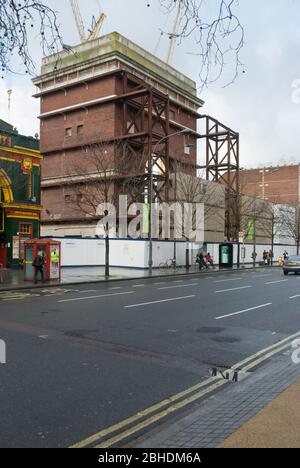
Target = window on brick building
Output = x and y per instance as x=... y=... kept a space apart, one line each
x=25 y=229
x=79 y=130
x=68 y=198
x=68 y=132
x=131 y=127
x=172 y=115
x=187 y=145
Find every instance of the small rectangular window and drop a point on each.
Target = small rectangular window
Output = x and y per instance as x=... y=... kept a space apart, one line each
x=131 y=127
x=68 y=132
x=25 y=229
x=79 y=130
x=172 y=115
x=68 y=198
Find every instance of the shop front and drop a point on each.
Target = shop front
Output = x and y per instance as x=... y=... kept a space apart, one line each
x=20 y=193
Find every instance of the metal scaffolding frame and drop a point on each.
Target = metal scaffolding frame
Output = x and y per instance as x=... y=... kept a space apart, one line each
x=145 y=130
x=223 y=166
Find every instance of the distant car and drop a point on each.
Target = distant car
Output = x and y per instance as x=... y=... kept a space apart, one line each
x=292 y=265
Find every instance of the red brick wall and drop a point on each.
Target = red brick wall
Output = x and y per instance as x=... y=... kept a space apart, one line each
x=98 y=123
x=277 y=184
x=80 y=93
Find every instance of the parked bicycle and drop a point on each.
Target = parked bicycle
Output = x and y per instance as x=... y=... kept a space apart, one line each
x=167 y=265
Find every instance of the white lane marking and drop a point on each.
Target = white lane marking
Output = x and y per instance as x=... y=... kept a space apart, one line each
x=115 y=288
x=231 y=279
x=139 y=286
x=244 y=311
x=180 y=281
x=95 y=297
x=258 y=275
x=159 y=302
x=295 y=297
x=233 y=289
x=276 y=282
x=178 y=286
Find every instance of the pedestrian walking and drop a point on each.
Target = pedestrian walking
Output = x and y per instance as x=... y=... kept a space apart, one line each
x=38 y=265
x=270 y=257
x=265 y=257
x=201 y=261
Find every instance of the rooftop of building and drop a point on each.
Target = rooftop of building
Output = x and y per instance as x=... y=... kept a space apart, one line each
x=23 y=141
x=106 y=48
x=267 y=168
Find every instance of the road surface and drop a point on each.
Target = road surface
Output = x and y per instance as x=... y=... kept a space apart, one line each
x=83 y=359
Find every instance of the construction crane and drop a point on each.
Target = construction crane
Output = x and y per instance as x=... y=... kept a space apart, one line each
x=96 y=27
x=173 y=34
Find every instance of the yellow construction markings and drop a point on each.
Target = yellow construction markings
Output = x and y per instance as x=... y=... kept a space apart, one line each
x=7 y=296
x=121 y=431
x=13 y=296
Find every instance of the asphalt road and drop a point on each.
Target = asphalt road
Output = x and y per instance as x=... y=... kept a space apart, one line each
x=82 y=359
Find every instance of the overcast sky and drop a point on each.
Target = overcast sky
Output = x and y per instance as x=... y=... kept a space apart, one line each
x=259 y=105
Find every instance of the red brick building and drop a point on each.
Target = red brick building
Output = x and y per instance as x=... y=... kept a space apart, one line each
x=109 y=91
x=279 y=185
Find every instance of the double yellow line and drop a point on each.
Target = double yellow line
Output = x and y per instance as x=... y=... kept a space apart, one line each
x=146 y=418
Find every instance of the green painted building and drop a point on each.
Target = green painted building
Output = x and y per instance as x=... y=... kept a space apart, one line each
x=20 y=193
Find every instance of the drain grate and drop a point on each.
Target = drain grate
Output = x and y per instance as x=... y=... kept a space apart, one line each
x=232 y=375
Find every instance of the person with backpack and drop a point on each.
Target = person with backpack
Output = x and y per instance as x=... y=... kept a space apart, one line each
x=201 y=261
x=38 y=265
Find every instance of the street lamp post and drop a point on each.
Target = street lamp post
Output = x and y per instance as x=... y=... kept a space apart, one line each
x=185 y=131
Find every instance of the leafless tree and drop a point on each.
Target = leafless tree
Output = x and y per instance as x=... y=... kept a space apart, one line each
x=19 y=21
x=218 y=34
x=250 y=213
x=188 y=190
x=291 y=223
x=104 y=172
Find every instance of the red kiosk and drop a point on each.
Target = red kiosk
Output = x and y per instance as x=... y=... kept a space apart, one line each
x=51 y=251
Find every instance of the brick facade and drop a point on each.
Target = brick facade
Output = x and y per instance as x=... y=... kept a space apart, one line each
x=279 y=185
x=80 y=106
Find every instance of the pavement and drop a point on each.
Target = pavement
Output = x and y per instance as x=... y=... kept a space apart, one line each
x=263 y=412
x=119 y=364
x=13 y=279
x=277 y=425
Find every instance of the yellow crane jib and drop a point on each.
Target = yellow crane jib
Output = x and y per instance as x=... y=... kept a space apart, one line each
x=80 y=25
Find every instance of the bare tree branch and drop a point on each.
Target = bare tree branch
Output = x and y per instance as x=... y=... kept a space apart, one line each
x=18 y=21
x=218 y=34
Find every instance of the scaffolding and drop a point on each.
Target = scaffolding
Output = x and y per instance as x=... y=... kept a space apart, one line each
x=223 y=166
x=145 y=130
